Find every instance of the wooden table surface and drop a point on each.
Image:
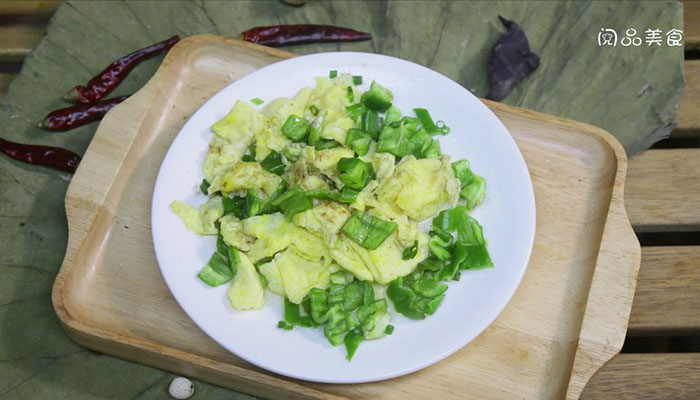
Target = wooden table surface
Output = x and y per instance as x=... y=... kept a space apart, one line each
x=660 y=358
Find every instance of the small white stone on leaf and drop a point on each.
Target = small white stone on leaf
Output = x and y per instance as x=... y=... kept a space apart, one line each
x=181 y=388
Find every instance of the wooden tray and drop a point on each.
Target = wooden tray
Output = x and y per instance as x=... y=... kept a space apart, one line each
x=566 y=320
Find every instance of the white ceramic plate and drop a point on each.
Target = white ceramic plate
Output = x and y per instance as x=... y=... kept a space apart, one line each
x=470 y=305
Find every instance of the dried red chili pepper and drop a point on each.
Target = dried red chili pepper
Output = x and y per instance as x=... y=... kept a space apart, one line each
x=107 y=80
x=49 y=156
x=285 y=35
x=73 y=117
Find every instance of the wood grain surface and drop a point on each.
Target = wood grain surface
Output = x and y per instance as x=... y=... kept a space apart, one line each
x=653 y=376
x=691 y=22
x=18 y=36
x=689 y=110
x=585 y=256
x=663 y=190
x=667 y=301
x=28 y=7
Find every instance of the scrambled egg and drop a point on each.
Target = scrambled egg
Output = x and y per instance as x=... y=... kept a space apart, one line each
x=246 y=291
x=417 y=188
x=200 y=221
x=304 y=252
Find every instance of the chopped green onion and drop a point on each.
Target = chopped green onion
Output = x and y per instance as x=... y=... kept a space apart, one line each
x=262 y=261
x=352 y=342
x=427 y=122
x=351 y=94
x=410 y=251
x=476 y=256
x=444 y=129
x=393 y=114
x=432 y=150
x=355 y=173
x=314 y=110
x=428 y=287
x=318 y=303
x=314 y=135
x=204 y=186
x=403 y=138
x=353 y=295
x=267 y=206
x=273 y=163
x=293 y=202
x=333 y=74
x=292 y=315
x=439 y=248
x=368 y=231
x=474 y=192
x=358 y=141
x=337 y=325
x=431 y=264
x=287 y=195
x=323 y=144
x=320 y=194
x=378 y=98
x=404 y=299
x=284 y=325
x=357 y=80
x=221 y=246
x=295 y=128
x=389 y=329
x=235 y=206
x=339 y=278
x=356 y=110
x=257 y=101
x=463 y=172
x=372 y=123
x=217 y=270
x=449 y=272
x=250 y=154
x=346 y=195
x=469 y=231
x=252 y=204
x=428 y=305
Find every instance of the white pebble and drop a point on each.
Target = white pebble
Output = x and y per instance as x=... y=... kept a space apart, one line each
x=181 y=388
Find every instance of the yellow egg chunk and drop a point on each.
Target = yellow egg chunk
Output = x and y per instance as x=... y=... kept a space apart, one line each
x=246 y=291
x=232 y=232
x=327 y=160
x=232 y=136
x=384 y=165
x=272 y=274
x=269 y=139
x=344 y=254
x=273 y=233
x=300 y=275
x=418 y=187
x=200 y=221
x=309 y=246
x=249 y=175
x=332 y=216
x=240 y=124
x=388 y=262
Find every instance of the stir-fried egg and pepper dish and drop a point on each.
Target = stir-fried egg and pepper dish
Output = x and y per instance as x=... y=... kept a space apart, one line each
x=318 y=198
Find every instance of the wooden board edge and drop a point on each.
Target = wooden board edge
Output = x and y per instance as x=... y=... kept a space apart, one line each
x=613 y=284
